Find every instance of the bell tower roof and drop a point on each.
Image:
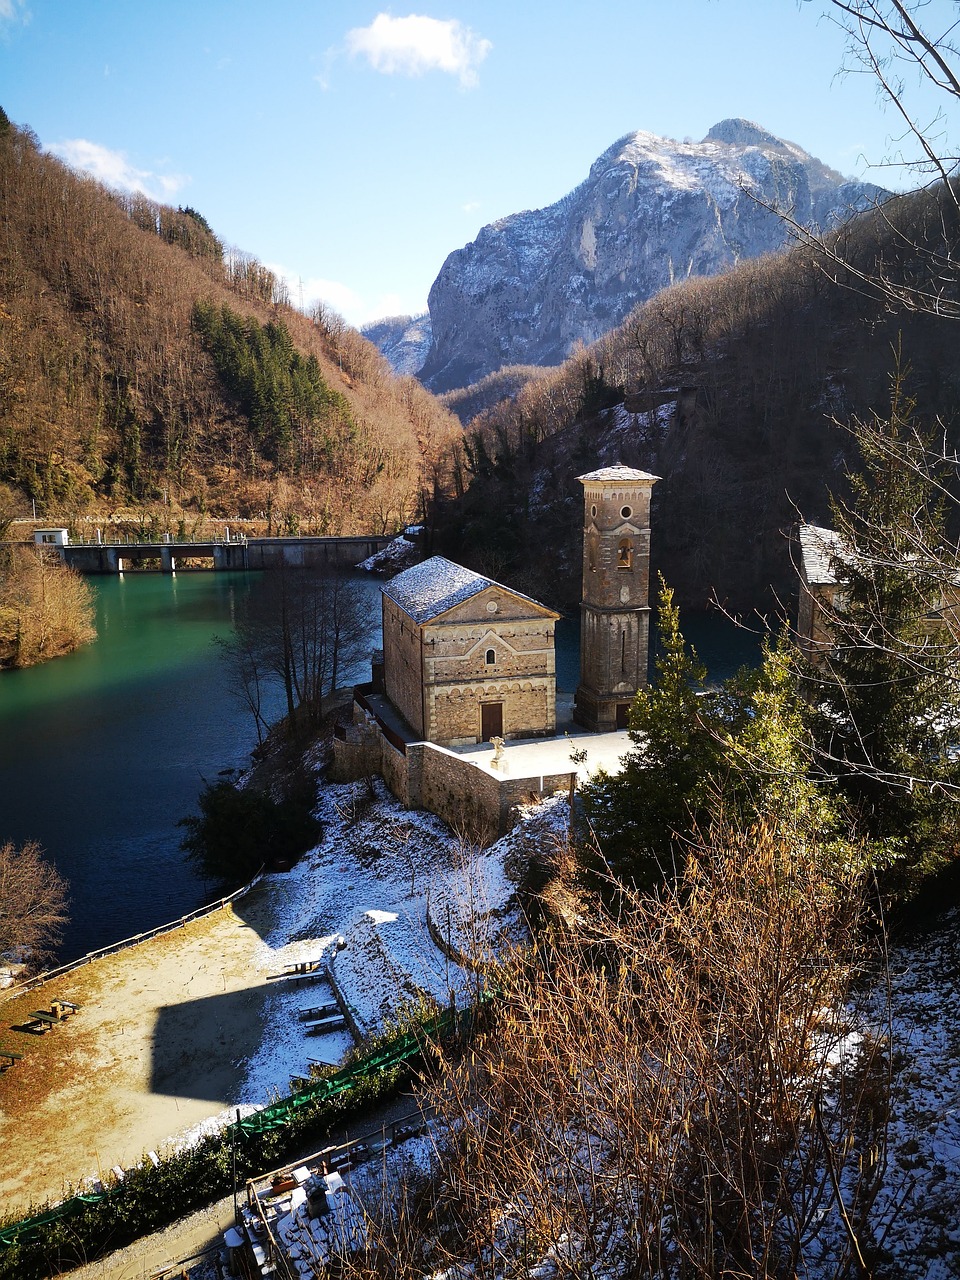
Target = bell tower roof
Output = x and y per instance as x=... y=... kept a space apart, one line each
x=618 y=475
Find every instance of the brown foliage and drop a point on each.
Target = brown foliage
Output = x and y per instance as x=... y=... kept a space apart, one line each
x=655 y=1095
x=33 y=904
x=46 y=609
x=108 y=398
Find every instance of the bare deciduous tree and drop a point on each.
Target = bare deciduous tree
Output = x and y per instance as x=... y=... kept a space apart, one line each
x=33 y=904
x=910 y=49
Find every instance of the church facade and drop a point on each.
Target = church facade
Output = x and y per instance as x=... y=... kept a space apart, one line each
x=466 y=659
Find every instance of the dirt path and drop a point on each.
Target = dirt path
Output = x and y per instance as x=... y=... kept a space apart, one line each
x=157 y=1047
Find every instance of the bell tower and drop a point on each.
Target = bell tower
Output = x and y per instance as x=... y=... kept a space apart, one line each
x=615 y=604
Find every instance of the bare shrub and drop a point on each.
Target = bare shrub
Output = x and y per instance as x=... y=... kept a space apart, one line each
x=666 y=1092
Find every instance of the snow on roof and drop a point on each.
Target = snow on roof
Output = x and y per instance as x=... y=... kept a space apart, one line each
x=431 y=588
x=617 y=475
x=819 y=548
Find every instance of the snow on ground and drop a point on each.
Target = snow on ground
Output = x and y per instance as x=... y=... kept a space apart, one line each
x=920 y=1203
x=380 y=868
x=402 y=552
x=368 y=885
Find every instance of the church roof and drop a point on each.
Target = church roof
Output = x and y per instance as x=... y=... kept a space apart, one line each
x=431 y=588
x=617 y=475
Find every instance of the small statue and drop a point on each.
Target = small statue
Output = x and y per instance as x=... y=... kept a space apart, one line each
x=497 y=752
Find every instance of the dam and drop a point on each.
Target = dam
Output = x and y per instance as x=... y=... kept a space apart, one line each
x=227 y=553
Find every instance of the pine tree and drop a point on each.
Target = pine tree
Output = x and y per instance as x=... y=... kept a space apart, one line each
x=642 y=816
x=887 y=691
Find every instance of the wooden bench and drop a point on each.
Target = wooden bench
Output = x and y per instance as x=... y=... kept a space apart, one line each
x=8 y=1059
x=40 y=1021
x=325 y=1024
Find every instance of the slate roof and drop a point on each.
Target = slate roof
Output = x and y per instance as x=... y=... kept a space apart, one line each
x=431 y=588
x=618 y=474
x=818 y=549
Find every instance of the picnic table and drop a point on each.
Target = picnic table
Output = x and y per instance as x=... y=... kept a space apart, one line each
x=318 y=1011
x=62 y=1009
x=8 y=1059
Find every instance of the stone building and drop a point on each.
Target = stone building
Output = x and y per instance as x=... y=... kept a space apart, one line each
x=822 y=596
x=466 y=659
x=615 y=605
x=819 y=550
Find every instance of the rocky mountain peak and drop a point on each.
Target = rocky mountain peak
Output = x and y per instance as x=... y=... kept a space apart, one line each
x=651 y=211
x=738 y=132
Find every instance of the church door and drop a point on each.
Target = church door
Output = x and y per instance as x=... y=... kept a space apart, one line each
x=491 y=720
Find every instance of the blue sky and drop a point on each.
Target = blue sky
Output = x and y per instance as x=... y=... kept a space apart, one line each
x=354 y=146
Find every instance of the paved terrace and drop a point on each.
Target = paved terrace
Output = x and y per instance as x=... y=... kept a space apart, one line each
x=537 y=757
x=532 y=758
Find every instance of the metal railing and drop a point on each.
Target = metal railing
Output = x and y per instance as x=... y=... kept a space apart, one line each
x=30 y=984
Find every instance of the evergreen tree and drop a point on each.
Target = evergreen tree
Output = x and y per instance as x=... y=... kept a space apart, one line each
x=887 y=694
x=640 y=817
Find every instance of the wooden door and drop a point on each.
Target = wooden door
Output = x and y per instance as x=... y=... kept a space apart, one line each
x=491 y=720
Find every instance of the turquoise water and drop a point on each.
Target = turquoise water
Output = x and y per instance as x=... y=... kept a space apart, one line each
x=103 y=751
x=721 y=644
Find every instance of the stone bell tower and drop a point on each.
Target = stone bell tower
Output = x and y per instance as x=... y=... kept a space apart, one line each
x=615 y=607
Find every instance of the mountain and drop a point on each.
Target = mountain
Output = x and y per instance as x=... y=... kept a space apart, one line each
x=151 y=375
x=651 y=212
x=403 y=341
x=733 y=389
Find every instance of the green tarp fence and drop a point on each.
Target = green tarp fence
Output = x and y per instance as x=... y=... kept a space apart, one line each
x=385 y=1058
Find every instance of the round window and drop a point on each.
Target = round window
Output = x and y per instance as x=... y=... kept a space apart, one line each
x=626 y=512
x=492 y=606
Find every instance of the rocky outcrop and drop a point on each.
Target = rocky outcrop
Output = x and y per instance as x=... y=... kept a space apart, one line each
x=651 y=212
x=403 y=340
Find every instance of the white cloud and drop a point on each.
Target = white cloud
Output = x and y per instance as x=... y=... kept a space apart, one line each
x=415 y=44
x=471 y=206
x=114 y=169
x=356 y=308
x=14 y=11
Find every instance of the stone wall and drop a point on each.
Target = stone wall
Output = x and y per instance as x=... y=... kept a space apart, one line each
x=425 y=776
x=529 y=708
x=402 y=664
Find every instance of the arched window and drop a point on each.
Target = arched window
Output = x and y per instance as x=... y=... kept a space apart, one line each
x=491 y=657
x=625 y=554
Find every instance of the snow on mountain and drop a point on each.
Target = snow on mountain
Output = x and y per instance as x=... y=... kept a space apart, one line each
x=403 y=340
x=651 y=211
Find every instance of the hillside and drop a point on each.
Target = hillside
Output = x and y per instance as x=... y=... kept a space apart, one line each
x=650 y=212
x=150 y=374
x=729 y=389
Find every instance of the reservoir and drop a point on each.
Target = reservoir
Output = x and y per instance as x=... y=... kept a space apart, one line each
x=103 y=751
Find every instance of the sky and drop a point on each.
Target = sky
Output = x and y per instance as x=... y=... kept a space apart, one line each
x=351 y=147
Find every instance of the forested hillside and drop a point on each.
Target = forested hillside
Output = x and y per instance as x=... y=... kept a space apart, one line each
x=731 y=390
x=147 y=372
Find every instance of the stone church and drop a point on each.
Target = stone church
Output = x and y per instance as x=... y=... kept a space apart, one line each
x=467 y=659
